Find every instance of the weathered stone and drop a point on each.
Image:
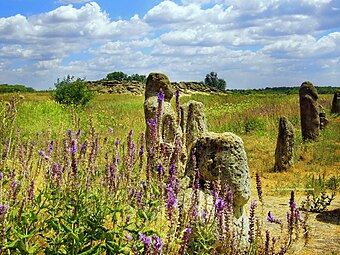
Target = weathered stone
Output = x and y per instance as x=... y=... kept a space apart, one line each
x=336 y=102
x=155 y=82
x=222 y=157
x=193 y=122
x=309 y=111
x=284 y=146
x=168 y=129
x=323 y=120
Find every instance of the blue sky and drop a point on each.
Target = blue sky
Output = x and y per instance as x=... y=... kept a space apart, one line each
x=250 y=44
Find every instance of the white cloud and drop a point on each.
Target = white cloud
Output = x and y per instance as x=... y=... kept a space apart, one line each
x=245 y=42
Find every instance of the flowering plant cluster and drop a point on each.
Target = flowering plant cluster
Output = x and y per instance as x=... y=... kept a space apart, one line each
x=89 y=193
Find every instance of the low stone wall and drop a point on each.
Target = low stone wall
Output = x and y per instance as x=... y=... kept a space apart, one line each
x=138 y=88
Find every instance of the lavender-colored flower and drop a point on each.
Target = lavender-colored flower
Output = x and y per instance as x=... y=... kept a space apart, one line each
x=128 y=236
x=50 y=148
x=31 y=192
x=69 y=133
x=219 y=206
x=117 y=142
x=185 y=242
x=157 y=244
x=251 y=231
x=15 y=186
x=160 y=96
x=259 y=187
x=229 y=196
x=267 y=243
x=271 y=219
x=141 y=150
x=152 y=124
x=78 y=134
x=146 y=242
x=282 y=250
x=3 y=210
x=21 y=209
x=110 y=130
x=160 y=170
x=1 y=175
x=73 y=148
x=42 y=153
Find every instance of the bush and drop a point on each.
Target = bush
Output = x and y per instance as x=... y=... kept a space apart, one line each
x=212 y=80
x=71 y=92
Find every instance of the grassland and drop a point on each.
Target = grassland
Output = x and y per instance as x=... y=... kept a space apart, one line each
x=38 y=120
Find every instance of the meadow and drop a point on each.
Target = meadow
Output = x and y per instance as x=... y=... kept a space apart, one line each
x=79 y=182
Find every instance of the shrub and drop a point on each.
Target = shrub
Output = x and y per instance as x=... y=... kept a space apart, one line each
x=72 y=92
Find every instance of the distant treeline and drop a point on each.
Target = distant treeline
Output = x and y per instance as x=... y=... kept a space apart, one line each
x=285 y=90
x=6 y=88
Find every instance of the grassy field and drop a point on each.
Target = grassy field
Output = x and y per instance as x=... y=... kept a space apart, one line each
x=88 y=195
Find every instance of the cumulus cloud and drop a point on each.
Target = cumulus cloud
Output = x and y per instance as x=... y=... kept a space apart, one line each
x=244 y=41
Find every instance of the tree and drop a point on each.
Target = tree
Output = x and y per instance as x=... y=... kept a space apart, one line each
x=72 y=92
x=117 y=76
x=212 y=80
x=137 y=77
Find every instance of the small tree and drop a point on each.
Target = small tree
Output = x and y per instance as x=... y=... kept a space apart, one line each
x=212 y=80
x=72 y=92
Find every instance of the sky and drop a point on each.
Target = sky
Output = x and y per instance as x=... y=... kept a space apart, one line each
x=248 y=43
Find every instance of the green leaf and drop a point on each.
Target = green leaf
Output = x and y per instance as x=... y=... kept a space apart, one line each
x=142 y=214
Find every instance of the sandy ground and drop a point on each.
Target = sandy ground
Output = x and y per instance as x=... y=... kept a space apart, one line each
x=324 y=226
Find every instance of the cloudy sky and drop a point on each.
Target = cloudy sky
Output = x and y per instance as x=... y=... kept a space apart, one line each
x=249 y=43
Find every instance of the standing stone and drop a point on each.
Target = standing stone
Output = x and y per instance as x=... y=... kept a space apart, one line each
x=309 y=111
x=336 y=102
x=193 y=122
x=168 y=129
x=222 y=157
x=284 y=146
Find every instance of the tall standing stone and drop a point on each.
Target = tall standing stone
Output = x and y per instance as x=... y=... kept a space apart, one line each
x=164 y=118
x=284 y=145
x=222 y=157
x=336 y=102
x=193 y=122
x=309 y=111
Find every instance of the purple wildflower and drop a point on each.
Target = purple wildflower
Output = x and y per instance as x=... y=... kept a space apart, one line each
x=50 y=148
x=259 y=187
x=128 y=218
x=42 y=153
x=3 y=210
x=21 y=209
x=146 y=242
x=31 y=192
x=73 y=148
x=14 y=190
x=128 y=236
x=267 y=243
x=251 y=231
x=160 y=96
x=282 y=250
x=117 y=142
x=185 y=242
x=78 y=134
x=152 y=124
x=157 y=244
x=1 y=175
x=271 y=219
